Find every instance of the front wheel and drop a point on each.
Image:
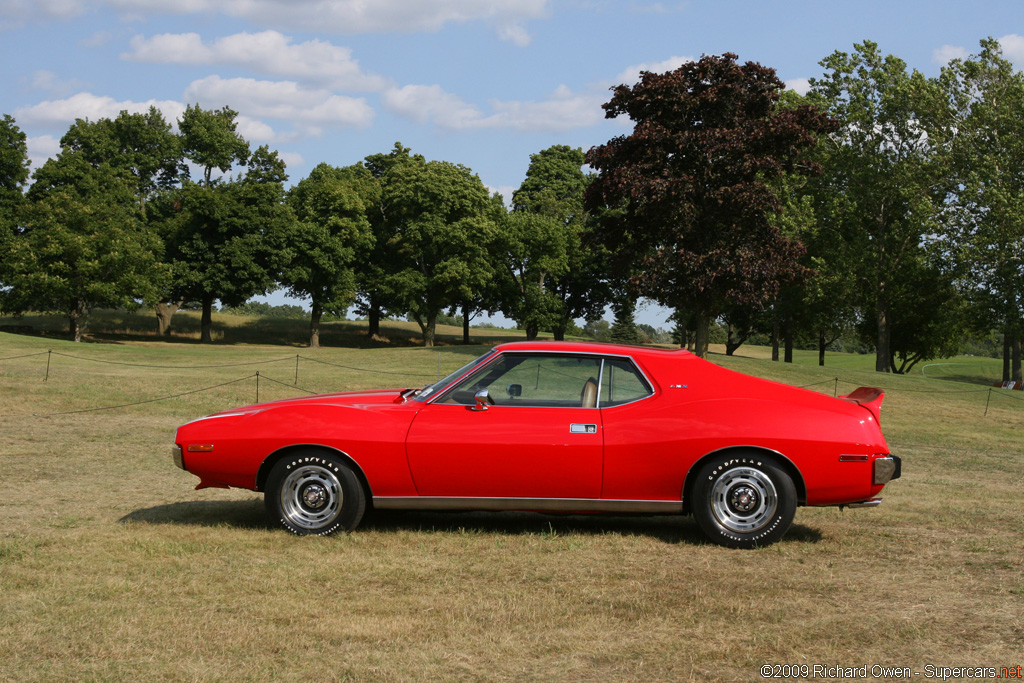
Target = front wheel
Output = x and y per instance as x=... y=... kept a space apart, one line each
x=314 y=493
x=743 y=501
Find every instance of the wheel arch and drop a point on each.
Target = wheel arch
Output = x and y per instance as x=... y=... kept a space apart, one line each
x=776 y=457
x=280 y=454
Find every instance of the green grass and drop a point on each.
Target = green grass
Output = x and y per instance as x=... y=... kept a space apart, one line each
x=113 y=568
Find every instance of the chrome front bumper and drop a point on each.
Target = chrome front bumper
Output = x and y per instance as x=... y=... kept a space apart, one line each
x=176 y=454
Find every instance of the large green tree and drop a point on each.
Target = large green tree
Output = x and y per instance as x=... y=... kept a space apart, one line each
x=376 y=298
x=229 y=239
x=14 y=171
x=329 y=240
x=81 y=244
x=441 y=213
x=985 y=222
x=532 y=251
x=553 y=188
x=139 y=147
x=690 y=186
x=887 y=179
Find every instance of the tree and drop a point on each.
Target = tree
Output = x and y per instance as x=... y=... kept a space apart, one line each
x=531 y=251
x=689 y=187
x=330 y=237
x=81 y=244
x=885 y=172
x=141 y=148
x=225 y=236
x=375 y=297
x=14 y=170
x=984 y=230
x=441 y=213
x=229 y=237
x=210 y=139
x=554 y=187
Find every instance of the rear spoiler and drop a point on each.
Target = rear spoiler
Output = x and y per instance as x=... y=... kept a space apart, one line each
x=869 y=397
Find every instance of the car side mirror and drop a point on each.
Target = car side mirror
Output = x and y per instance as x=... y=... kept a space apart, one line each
x=514 y=390
x=482 y=399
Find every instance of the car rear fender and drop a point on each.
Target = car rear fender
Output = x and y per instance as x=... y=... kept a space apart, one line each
x=778 y=458
x=268 y=464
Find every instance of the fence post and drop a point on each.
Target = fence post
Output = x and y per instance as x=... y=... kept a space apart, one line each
x=835 y=389
x=257 y=386
x=988 y=400
x=438 y=366
x=296 y=382
x=49 y=353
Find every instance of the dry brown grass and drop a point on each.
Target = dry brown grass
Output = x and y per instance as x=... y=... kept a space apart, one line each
x=113 y=568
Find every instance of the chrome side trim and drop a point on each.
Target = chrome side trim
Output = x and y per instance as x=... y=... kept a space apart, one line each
x=176 y=455
x=526 y=504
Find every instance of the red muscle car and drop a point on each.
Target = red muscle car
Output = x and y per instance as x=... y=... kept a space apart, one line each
x=566 y=427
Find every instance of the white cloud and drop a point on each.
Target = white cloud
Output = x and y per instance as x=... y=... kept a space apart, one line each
x=284 y=100
x=947 y=53
x=801 y=85
x=631 y=74
x=359 y=16
x=1013 y=48
x=268 y=52
x=60 y=114
x=430 y=103
x=16 y=13
x=563 y=110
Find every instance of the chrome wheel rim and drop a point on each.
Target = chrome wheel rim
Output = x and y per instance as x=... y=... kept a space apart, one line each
x=311 y=497
x=744 y=499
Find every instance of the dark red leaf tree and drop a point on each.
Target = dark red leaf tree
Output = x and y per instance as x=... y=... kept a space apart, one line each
x=688 y=194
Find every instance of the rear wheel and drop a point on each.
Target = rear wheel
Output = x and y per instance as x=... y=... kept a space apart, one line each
x=314 y=493
x=743 y=501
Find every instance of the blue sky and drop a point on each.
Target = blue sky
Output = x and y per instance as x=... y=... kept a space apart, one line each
x=484 y=83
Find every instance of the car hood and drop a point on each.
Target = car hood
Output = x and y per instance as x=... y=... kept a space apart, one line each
x=352 y=399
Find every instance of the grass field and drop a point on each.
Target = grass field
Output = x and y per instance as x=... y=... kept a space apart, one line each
x=113 y=568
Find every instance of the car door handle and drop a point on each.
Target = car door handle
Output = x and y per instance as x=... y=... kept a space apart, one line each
x=577 y=428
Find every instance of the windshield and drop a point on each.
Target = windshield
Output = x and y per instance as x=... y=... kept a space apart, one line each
x=442 y=383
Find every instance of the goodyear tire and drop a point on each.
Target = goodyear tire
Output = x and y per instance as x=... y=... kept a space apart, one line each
x=743 y=500
x=314 y=493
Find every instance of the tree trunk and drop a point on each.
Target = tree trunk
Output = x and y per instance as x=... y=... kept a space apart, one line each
x=165 y=310
x=883 y=352
x=314 y=325
x=787 y=333
x=77 y=321
x=465 y=323
x=532 y=330
x=373 y=319
x=206 y=325
x=775 y=338
x=822 y=342
x=703 y=334
x=429 y=329
x=1006 y=355
x=1015 y=358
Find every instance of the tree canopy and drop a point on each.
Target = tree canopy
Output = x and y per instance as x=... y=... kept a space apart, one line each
x=689 y=187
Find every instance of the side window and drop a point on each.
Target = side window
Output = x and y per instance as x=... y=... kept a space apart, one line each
x=622 y=383
x=556 y=381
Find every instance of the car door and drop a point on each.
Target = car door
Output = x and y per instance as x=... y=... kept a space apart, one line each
x=539 y=434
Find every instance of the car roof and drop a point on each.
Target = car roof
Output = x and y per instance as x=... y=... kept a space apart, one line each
x=589 y=347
